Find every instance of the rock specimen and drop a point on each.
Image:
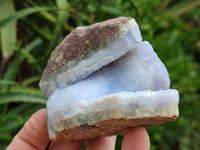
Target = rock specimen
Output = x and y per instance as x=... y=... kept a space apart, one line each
x=102 y=79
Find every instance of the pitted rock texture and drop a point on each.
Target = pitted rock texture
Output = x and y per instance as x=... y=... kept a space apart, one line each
x=80 y=40
x=108 y=128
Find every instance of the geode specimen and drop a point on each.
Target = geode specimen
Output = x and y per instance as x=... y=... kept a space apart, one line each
x=103 y=79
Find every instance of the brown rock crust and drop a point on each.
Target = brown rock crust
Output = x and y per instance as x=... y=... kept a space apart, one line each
x=80 y=40
x=108 y=128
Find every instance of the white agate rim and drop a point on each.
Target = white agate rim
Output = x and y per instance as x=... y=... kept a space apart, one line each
x=128 y=105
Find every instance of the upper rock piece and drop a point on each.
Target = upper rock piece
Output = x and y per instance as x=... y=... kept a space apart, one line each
x=80 y=40
x=76 y=56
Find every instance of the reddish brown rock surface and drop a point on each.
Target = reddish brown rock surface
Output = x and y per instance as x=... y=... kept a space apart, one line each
x=108 y=128
x=80 y=40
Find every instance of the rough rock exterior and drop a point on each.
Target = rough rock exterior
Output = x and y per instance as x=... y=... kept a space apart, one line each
x=108 y=128
x=80 y=40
